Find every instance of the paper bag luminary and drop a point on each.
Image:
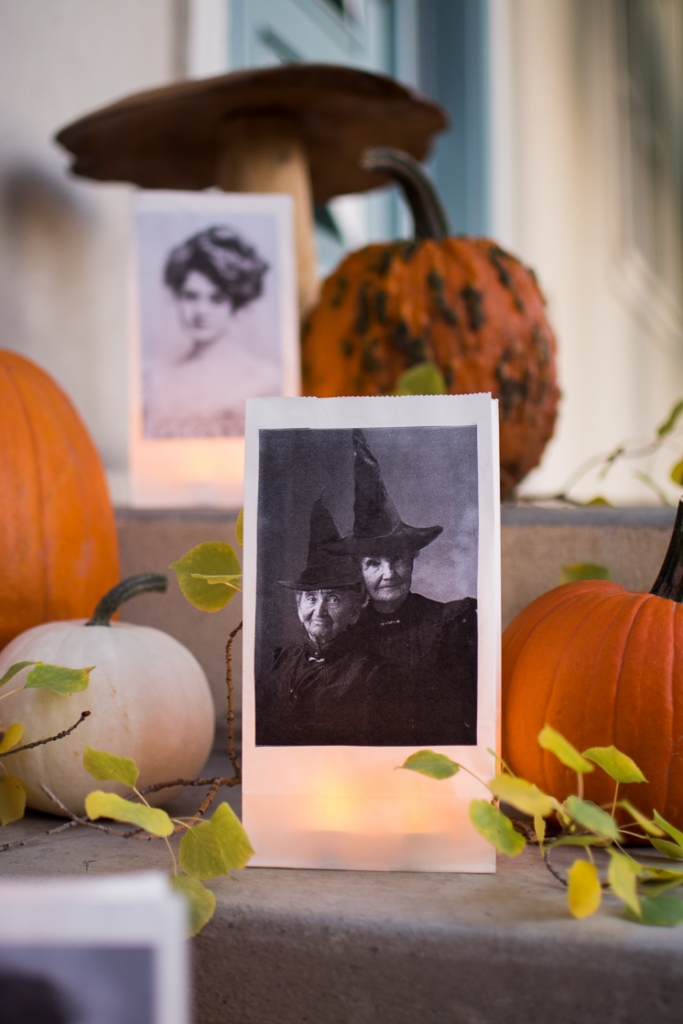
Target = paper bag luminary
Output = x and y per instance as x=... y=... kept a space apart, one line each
x=372 y=626
x=214 y=324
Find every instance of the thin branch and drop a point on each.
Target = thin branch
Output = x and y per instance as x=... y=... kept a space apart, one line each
x=50 y=739
x=232 y=752
x=231 y=781
x=41 y=835
x=74 y=817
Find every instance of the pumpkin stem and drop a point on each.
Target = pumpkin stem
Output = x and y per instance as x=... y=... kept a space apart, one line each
x=429 y=216
x=123 y=591
x=669 y=583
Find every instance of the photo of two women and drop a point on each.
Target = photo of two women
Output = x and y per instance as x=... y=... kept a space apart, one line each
x=366 y=628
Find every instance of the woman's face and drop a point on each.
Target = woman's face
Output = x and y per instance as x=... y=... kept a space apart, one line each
x=205 y=311
x=387 y=580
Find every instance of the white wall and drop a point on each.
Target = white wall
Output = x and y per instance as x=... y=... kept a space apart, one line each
x=63 y=240
x=558 y=202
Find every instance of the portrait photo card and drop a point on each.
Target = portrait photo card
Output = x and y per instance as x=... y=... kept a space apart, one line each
x=213 y=323
x=372 y=628
x=93 y=949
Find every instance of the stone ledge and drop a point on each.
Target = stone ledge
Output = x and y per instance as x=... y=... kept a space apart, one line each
x=332 y=947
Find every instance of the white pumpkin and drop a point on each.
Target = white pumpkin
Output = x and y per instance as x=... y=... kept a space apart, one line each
x=148 y=696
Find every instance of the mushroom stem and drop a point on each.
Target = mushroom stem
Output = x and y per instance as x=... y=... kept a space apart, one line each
x=266 y=154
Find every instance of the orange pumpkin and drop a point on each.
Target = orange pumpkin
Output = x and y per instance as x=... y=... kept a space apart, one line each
x=462 y=303
x=58 y=543
x=603 y=666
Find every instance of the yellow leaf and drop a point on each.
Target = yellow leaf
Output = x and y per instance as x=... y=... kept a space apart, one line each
x=555 y=742
x=239 y=528
x=539 y=828
x=12 y=799
x=524 y=796
x=584 y=893
x=618 y=766
x=11 y=737
x=109 y=805
x=622 y=874
x=234 y=841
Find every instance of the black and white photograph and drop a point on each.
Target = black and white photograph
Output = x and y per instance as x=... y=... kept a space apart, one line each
x=371 y=629
x=366 y=620
x=209 y=316
x=76 y=985
x=107 y=949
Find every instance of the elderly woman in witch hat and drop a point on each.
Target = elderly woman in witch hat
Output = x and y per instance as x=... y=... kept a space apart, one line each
x=316 y=692
x=425 y=686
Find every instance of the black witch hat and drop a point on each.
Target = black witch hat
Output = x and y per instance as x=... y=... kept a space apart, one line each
x=377 y=526
x=327 y=565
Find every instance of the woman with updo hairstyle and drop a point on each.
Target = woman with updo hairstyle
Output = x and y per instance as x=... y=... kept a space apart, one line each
x=200 y=391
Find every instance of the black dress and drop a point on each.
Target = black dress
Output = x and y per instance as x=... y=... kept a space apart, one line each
x=424 y=689
x=313 y=698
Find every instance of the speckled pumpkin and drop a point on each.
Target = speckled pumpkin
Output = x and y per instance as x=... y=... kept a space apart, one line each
x=462 y=303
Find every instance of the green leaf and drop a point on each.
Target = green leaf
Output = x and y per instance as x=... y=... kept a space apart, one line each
x=58 y=679
x=435 y=766
x=555 y=742
x=201 y=902
x=213 y=847
x=671 y=850
x=239 y=528
x=579 y=841
x=201 y=855
x=584 y=893
x=622 y=876
x=215 y=558
x=645 y=823
x=12 y=799
x=676 y=473
x=670 y=422
x=589 y=815
x=109 y=805
x=657 y=880
x=491 y=823
x=618 y=766
x=234 y=841
x=13 y=670
x=665 y=911
x=422 y=379
x=228 y=581
x=11 y=737
x=670 y=830
x=103 y=766
x=584 y=570
x=524 y=796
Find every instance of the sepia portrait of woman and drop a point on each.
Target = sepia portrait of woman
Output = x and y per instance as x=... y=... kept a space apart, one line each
x=198 y=388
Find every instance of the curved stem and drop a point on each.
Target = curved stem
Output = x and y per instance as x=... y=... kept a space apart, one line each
x=669 y=583
x=429 y=216
x=134 y=585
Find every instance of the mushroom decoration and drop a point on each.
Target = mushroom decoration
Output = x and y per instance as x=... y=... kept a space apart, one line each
x=297 y=128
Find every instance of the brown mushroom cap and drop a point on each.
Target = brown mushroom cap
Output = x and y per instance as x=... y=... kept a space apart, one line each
x=170 y=137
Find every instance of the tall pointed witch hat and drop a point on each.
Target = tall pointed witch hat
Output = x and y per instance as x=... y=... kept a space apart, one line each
x=378 y=527
x=327 y=565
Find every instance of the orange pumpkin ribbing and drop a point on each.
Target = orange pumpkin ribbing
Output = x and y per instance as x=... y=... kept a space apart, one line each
x=463 y=303
x=602 y=666
x=58 y=542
